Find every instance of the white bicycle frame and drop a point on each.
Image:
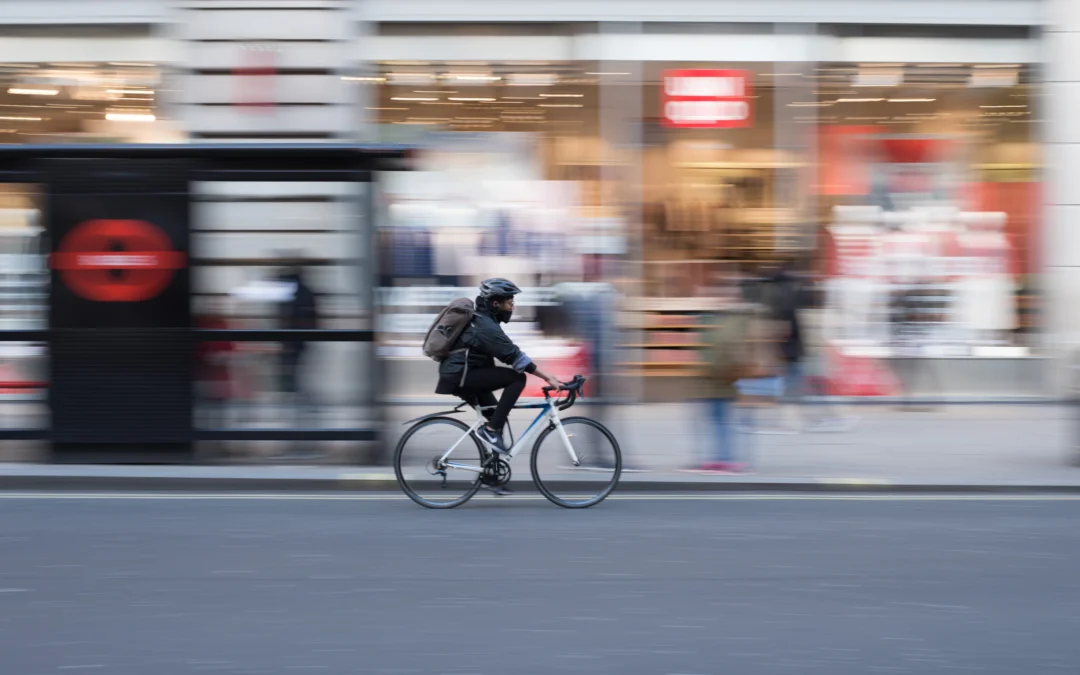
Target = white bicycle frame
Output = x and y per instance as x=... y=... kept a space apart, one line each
x=548 y=411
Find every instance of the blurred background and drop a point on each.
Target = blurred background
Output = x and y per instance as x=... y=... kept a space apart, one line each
x=616 y=159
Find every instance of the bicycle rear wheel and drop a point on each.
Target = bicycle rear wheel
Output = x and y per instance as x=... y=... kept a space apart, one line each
x=595 y=476
x=428 y=481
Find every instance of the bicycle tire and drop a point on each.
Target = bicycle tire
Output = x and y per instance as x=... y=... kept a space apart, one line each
x=549 y=493
x=399 y=473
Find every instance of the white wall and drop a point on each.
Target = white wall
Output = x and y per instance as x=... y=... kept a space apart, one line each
x=1061 y=239
x=925 y=12
x=115 y=12
x=87 y=49
x=718 y=47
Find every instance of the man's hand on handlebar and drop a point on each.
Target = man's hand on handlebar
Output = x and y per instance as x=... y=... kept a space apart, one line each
x=550 y=379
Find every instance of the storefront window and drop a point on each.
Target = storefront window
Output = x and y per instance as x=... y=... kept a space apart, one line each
x=929 y=178
x=81 y=102
x=508 y=183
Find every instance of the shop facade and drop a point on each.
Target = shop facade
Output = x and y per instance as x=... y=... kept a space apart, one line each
x=884 y=149
x=882 y=162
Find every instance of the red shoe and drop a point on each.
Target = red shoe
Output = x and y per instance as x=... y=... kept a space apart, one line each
x=715 y=467
x=730 y=468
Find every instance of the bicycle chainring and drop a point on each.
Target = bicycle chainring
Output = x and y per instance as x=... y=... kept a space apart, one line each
x=496 y=473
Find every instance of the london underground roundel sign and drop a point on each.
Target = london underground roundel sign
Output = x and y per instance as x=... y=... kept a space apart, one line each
x=117 y=260
x=706 y=99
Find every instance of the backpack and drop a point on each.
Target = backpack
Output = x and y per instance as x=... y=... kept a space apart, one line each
x=447 y=328
x=729 y=354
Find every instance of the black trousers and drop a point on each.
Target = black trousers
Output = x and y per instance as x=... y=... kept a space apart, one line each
x=480 y=383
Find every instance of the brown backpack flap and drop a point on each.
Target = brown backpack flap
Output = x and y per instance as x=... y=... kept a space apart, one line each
x=447 y=328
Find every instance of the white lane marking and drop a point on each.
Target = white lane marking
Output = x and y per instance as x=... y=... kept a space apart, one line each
x=662 y=497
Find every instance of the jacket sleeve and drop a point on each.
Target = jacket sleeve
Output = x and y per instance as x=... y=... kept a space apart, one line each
x=497 y=344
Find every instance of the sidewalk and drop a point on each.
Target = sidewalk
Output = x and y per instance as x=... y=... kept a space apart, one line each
x=954 y=448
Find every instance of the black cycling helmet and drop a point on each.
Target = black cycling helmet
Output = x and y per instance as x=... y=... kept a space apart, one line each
x=498 y=288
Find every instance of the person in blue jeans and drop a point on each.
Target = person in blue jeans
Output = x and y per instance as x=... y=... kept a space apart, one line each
x=727 y=361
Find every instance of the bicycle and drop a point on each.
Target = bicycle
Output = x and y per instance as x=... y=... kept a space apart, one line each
x=593 y=465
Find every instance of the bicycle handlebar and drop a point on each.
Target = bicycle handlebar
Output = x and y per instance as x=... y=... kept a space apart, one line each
x=573 y=386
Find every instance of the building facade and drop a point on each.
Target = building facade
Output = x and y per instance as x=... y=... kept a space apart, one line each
x=684 y=138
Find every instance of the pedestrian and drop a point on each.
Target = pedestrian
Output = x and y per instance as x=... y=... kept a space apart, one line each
x=801 y=372
x=728 y=359
x=589 y=309
x=300 y=311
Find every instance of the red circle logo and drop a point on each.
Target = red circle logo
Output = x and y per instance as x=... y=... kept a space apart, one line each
x=117 y=260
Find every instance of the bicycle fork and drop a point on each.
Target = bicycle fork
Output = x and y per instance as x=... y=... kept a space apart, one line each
x=561 y=431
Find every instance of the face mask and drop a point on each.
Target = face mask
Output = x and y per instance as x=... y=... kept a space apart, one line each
x=504 y=317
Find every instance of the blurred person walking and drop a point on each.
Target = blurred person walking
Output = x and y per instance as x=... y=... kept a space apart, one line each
x=300 y=311
x=728 y=361
x=786 y=297
x=590 y=309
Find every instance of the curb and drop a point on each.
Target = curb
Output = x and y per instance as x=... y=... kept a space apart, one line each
x=383 y=483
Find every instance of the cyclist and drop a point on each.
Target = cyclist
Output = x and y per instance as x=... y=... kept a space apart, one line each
x=470 y=373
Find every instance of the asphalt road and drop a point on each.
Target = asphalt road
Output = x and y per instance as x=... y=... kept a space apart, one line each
x=730 y=584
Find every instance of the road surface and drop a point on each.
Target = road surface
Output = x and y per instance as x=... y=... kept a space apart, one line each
x=350 y=584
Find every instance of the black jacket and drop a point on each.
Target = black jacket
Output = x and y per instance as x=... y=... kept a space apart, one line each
x=784 y=298
x=480 y=344
x=301 y=311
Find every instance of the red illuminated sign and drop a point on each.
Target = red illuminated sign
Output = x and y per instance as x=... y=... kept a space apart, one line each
x=706 y=99
x=117 y=260
x=255 y=76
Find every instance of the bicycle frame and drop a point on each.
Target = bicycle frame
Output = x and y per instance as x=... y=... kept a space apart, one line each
x=547 y=410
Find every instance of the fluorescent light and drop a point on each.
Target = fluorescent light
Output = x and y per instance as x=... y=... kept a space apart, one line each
x=561 y=95
x=413 y=98
x=911 y=100
x=129 y=117
x=27 y=91
x=560 y=105
x=859 y=100
x=473 y=77
x=809 y=104
x=348 y=78
x=135 y=92
x=411 y=78
x=20 y=119
x=531 y=79
x=418 y=91
x=1004 y=106
x=479 y=100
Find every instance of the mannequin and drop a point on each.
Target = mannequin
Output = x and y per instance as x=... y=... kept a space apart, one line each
x=853 y=287
x=986 y=291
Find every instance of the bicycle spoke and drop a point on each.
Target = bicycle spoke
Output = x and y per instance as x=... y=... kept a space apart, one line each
x=423 y=474
x=583 y=483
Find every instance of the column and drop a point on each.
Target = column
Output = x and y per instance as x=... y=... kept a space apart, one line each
x=1061 y=217
x=266 y=74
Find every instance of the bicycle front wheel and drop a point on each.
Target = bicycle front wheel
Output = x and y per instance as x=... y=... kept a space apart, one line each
x=429 y=480
x=592 y=479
